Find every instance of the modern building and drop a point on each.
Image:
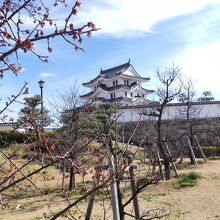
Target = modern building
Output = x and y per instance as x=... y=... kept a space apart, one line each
x=121 y=83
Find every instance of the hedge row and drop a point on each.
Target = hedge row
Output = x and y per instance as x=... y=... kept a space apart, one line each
x=9 y=137
x=209 y=151
x=12 y=137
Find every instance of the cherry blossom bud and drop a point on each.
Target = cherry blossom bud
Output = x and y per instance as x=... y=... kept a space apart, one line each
x=78 y=3
x=71 y=27
x=89 y=34
x=20 y=21
x=49 y=49
x=75 y=36
x=74 y=11
x=89 y=24
x=77 y=48
x=94 y=27
x=80 y=31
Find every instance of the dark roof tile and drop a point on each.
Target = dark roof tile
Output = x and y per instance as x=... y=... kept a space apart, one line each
x=115 y=71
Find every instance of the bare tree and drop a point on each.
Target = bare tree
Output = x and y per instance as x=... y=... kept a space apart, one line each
x=66 y=112
x=188 y=111
x=167 y=91
x=11 y=100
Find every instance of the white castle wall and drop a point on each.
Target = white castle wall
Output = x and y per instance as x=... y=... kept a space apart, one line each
x=204 y=110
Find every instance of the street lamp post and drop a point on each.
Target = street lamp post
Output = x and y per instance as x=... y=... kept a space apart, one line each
x=41 y=85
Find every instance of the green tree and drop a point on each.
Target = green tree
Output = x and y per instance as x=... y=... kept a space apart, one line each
x=207 y=96
x=89 y=121
x=30 y=116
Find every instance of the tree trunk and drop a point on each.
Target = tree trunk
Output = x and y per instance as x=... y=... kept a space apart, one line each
x=72 y=182
x=191 y=156
x=166 y=160
x=167 y=169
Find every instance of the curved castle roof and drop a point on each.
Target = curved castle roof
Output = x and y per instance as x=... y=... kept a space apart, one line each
x=117 y=71
x=118 y=87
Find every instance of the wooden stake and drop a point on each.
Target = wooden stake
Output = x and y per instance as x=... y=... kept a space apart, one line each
x=113 y=186
x=145 y=153
x=92 y=197
x=159 y=164
x=63 y=175
x=203 y=155
x=191 y=151
x=171 y=159
x=134 y=189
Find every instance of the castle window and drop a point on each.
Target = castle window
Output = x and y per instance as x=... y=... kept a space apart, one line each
x=131 y=94
x=143 y=95
x=116 y=82
x=126 y=94
x=113 y=83
x=112 y=95
x=126 y=82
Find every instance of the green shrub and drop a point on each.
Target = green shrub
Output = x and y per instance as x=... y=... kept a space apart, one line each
x=190 y=179
x=11 y=137
x=48 y=134
x=209 y=151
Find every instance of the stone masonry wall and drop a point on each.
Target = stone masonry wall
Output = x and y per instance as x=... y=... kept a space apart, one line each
x=207 y=130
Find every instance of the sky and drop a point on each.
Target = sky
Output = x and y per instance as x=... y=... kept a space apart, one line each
x=153 y=34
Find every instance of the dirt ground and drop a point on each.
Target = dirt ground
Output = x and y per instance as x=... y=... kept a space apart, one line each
x=200 y=202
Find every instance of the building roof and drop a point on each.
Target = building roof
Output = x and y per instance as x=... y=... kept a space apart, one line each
x=150 y=104
x=114 y=88
x=157 y=104
x=116 y=71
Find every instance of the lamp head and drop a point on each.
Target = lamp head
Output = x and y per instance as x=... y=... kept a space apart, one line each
x=41 y=83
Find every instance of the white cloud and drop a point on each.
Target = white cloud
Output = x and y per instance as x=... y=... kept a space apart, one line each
x=124 y=17
x=46 y=75
x=202 y=63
